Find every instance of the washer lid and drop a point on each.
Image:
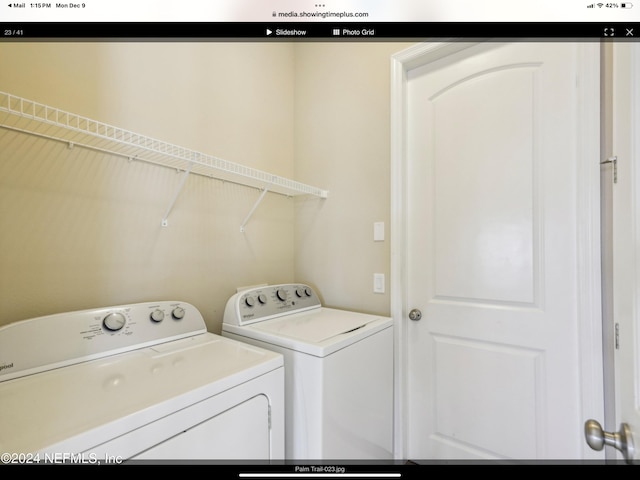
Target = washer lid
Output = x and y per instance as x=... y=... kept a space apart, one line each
x=316 y=327
x=319 y=332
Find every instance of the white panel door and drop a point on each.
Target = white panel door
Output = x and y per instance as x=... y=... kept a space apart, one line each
x=501 y=252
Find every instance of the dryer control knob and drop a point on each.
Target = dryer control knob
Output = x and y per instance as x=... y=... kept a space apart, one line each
x=249 y=301
x=178 y=313
x=114 y=321
x=300 y=292
x=262 y=298
x=281 y=293
x=157 y=315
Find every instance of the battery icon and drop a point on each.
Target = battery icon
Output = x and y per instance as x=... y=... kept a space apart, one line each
x=626 y=5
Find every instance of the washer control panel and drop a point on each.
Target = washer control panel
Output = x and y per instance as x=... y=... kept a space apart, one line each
x=43 y=343
x=262 y=303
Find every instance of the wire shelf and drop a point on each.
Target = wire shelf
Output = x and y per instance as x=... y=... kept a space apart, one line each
x=31 y=117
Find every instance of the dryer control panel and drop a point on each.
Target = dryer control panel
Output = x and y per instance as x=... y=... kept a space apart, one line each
x=265 y=302
x=44 y=343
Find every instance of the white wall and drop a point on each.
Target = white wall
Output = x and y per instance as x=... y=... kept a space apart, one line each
x=81 y=229
x=342 y=143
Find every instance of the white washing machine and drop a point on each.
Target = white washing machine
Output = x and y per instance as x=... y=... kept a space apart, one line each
x=136 y=382
x=338 y=370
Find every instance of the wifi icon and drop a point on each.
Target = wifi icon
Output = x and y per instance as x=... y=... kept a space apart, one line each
x=600 y=5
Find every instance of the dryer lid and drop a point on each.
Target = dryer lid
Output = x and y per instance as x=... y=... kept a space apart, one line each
x=78 y=407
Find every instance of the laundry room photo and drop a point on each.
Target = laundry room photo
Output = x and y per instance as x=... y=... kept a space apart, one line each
x=87 y=226
x=99 y=225
x=339 y=252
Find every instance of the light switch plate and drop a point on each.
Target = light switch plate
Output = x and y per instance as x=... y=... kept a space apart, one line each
x=378 y=283
x=378 y=232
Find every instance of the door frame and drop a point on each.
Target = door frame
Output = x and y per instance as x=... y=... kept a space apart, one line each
x=588 y=227
x=625 y=121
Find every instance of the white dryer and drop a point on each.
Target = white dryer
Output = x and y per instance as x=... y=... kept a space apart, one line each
x=136 y=382
x=338 y=370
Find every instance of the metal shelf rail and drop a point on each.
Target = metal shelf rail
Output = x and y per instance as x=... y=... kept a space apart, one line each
x=34 y=118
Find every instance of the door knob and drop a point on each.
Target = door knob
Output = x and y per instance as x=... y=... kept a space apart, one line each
x=597 y=438
x=415 y=314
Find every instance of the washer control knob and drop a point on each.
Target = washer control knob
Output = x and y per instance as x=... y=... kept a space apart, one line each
x=300 y=292
x=249 y=301
x=307 y=291
x=114 y=321
x=262 y=298
x=281 y=293
x=157 y=315
x=178 y=313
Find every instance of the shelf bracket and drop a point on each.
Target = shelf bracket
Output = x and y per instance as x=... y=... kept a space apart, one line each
x=255 y=205
x=165 y=222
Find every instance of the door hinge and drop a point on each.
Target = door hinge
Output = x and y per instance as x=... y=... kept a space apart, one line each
x=617 y=336
x=614 y=161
